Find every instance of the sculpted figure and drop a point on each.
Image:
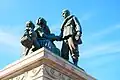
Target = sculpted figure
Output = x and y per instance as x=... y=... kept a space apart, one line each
x=29 y=39
x=44 y=36
x=71 y=36
x=36 y=37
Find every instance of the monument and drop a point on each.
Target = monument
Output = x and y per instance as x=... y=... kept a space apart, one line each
x=41 y=59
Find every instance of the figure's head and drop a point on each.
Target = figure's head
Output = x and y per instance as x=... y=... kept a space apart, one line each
x=41 y=21
x=29 y=25
x=65 y=13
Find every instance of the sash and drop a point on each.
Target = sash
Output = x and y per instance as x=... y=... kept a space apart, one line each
x=65 y=21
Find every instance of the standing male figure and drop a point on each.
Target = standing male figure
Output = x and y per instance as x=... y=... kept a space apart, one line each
x=71 y=35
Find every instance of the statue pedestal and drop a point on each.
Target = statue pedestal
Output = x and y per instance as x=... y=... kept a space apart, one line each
x=43 y=65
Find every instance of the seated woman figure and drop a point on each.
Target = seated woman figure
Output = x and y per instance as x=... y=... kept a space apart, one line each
x=44 y=37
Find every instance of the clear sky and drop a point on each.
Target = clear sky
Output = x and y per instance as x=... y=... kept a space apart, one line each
x=100 y=21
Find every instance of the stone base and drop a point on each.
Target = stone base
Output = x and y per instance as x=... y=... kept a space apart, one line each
x=43 y=65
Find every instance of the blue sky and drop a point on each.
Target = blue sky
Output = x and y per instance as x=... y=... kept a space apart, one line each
x=100 y=21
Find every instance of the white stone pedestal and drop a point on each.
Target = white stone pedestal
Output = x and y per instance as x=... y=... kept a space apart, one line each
x=43 y=65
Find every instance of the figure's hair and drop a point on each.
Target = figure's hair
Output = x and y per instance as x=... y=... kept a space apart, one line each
x=66 y=11
x=41 y=20
x=31 y=24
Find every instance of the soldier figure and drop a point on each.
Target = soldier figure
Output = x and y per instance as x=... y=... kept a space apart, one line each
x=71 y=35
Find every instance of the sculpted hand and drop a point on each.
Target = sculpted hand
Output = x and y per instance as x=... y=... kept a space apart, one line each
x=58 y=38
x=77 y=37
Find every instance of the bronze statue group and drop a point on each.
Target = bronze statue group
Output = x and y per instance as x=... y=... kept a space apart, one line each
x=38 y=35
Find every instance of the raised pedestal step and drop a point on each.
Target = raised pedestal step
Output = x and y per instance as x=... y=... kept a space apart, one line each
x=43 y=65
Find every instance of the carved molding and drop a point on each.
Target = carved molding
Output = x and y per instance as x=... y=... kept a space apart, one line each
x=29 y=75
x=42 y=71
x=21 y=77
x=55 y=75
x=34 y=72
